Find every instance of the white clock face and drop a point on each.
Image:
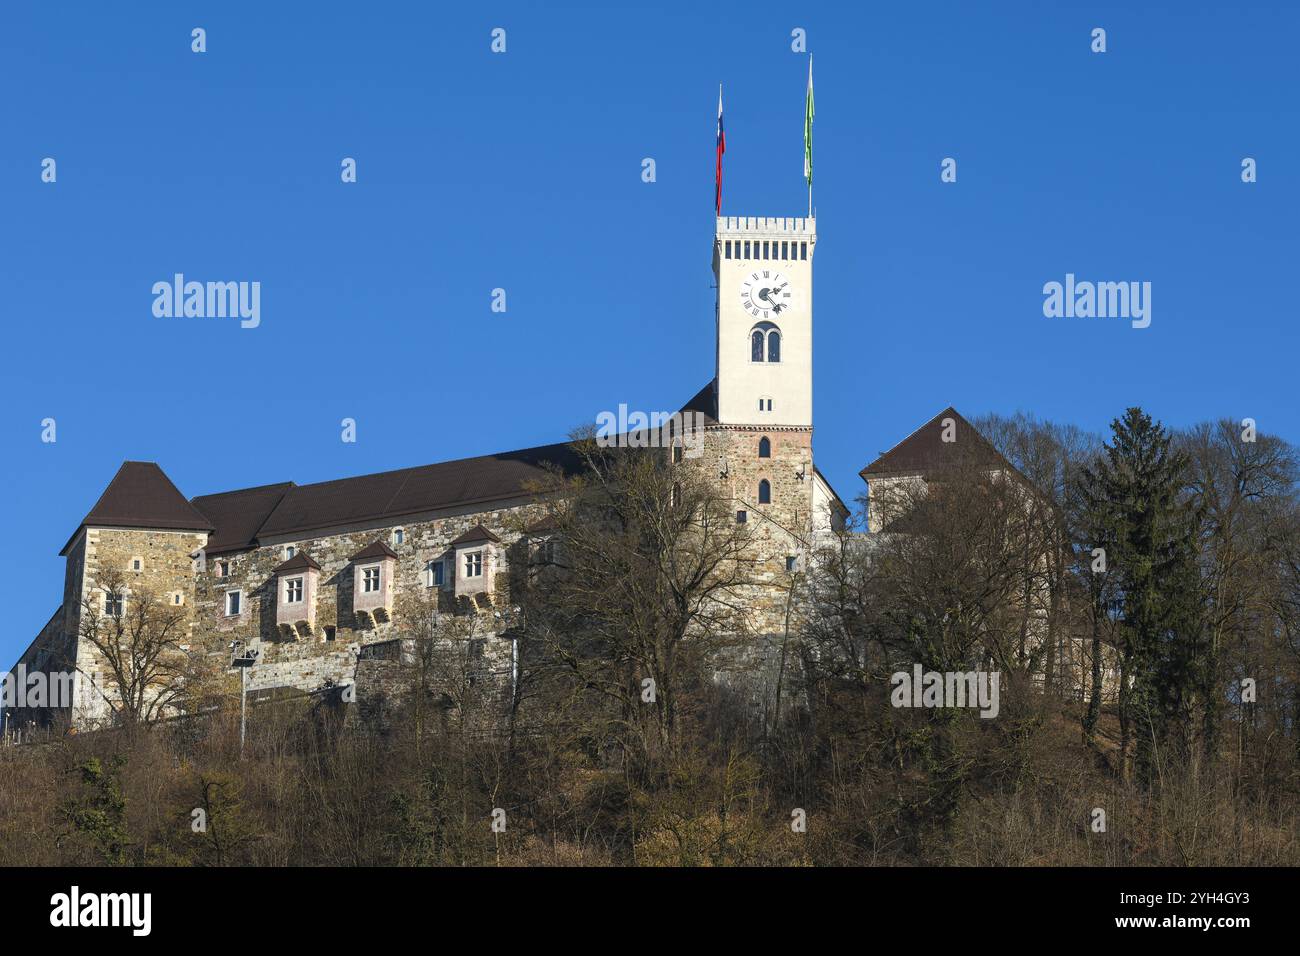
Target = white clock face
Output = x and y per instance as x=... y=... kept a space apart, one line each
x=766 y=293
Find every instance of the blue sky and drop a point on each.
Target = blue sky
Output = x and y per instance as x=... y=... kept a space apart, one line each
x=522 y=171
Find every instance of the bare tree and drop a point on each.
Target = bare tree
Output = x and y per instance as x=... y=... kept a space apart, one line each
x=140 y=640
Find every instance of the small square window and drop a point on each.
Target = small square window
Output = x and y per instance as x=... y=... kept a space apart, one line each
x=474 y=564
x=234 y=601
x=742 y=517
x=331 y=632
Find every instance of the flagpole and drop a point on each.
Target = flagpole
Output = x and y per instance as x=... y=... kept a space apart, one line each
x=807 y=137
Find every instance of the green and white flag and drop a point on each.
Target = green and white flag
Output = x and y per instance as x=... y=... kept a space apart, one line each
x=807 y=128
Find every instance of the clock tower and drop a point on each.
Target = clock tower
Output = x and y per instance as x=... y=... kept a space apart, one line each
x=763 y=268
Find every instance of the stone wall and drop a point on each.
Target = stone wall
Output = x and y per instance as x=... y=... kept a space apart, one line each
x=166 y=570
x=329 y=653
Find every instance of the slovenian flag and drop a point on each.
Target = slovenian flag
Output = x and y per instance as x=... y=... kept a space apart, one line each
x=807 y=129
x=722 y=148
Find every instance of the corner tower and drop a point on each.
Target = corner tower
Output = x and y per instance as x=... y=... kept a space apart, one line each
x=763 y=268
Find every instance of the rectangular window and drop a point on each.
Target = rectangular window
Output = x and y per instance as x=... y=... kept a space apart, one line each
x=727 y=249
x=293 y=590
x=803 y=250
x=791 y=563
x=234 y=599
x=289 y=551
x=742 y=517
x=330 y=632
x=370 y=579
x=765 y=250
x=113 y=604
x=474 y=564
x=785 y=250
x=399 y=536
x=136 y=564
x=747 y=249
x=223 y=569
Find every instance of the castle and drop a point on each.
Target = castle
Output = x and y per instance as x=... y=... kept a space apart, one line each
x=309 y=576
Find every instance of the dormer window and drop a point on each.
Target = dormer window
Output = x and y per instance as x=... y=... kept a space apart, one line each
x=474 y=564
x=370 y=579
x=293 y=590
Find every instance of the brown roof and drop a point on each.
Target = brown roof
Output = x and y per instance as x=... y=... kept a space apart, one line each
x=476 y=533
x=376 y=550
x=394 y=494
x=238 y=515
x=925 y=450
x=299 y=562
x=705 y=401
x=142 y=496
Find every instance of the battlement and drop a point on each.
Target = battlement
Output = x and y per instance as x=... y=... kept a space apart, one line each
x=766 y=226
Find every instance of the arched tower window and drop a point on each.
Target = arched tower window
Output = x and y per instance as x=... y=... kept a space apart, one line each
x=764 y=492
x=765 y=343
x=764 y=448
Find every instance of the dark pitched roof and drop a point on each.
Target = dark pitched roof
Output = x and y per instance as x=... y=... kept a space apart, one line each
x=542 y=525
x=705 y=402
x=238 y=515
x=476 y=533
x=394 y=494
x=299 y=562
x=376 y=550
x=142 y=496
x=925 y=450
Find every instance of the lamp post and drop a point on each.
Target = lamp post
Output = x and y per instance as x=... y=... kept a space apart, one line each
x=242 y=657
